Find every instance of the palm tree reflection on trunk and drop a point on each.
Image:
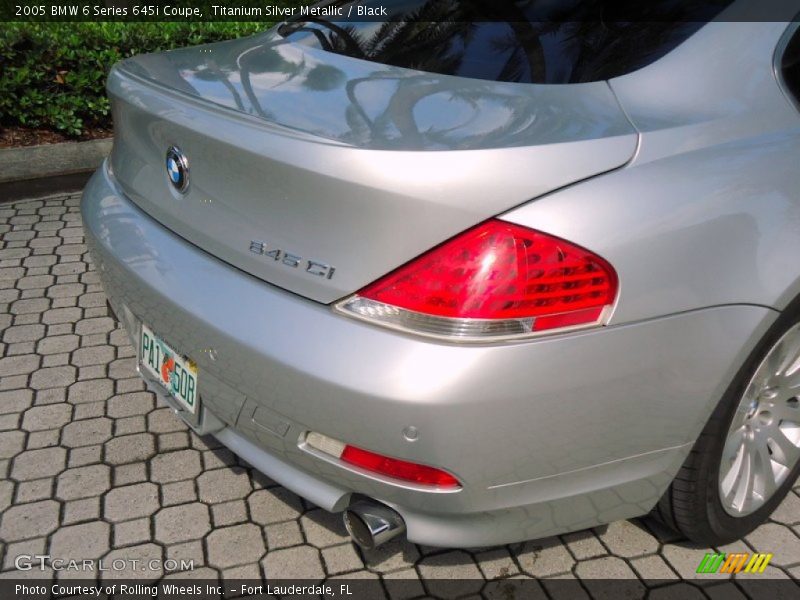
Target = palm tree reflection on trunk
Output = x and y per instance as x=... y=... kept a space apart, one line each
x=481 y=41
x=429 y=33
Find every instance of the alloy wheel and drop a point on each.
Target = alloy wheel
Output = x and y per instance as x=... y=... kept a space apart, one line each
x=762 y=445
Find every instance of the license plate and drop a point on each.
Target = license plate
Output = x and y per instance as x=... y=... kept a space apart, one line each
x=177 y=374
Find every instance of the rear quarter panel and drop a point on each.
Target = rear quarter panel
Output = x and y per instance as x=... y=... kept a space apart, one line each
x=708 y=211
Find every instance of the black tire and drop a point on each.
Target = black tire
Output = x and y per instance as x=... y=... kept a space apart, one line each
x=691 y=504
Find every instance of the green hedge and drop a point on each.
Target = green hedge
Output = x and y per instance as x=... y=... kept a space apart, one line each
x=52 y=75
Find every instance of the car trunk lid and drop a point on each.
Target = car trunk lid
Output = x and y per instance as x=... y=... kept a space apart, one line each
x=319 y=173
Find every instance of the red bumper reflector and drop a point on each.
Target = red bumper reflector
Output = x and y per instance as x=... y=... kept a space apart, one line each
x=398 y=469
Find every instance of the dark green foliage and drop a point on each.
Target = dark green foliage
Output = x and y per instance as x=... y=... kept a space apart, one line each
x=52 y=75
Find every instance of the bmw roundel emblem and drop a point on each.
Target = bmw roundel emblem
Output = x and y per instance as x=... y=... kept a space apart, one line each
x=177 y=169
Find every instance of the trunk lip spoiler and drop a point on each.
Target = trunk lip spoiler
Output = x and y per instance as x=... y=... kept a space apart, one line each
x=120 y=72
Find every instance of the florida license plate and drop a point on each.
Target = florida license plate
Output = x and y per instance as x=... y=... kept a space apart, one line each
x=176 y=373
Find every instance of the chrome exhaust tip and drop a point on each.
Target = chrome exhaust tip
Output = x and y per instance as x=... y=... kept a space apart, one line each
x=371 y=524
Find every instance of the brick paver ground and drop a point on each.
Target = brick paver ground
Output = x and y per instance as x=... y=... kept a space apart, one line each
x=93 y=467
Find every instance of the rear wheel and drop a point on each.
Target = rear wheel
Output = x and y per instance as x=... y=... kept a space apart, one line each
x=748 y=455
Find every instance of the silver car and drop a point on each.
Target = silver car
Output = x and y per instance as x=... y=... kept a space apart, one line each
x=470 y=277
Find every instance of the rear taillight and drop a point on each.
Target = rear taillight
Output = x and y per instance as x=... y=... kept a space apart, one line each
x=495 y=280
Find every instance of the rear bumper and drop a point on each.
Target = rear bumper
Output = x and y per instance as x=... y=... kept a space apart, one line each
x=550 y=435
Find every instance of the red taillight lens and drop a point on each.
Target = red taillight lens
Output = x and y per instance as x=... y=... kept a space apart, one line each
x=398 y=469
x=495 y=279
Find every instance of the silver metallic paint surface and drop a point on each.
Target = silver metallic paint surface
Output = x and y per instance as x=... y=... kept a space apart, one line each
x=548 y=435
x=498 y=416
x=370 y=105
x=297 y=187
x=708 y=211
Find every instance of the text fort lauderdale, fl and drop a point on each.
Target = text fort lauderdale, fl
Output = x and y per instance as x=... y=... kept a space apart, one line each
x=301 y=11
x=170 y=589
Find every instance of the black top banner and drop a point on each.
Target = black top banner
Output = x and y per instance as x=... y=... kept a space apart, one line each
x=343 y=11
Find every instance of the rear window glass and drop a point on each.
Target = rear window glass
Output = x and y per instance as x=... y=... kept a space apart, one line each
x=527 y=41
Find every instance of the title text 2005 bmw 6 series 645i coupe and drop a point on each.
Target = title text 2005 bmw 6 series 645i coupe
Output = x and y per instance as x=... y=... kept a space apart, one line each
x=474 y=278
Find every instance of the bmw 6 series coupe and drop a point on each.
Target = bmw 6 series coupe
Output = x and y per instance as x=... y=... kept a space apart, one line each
x=475 y=274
